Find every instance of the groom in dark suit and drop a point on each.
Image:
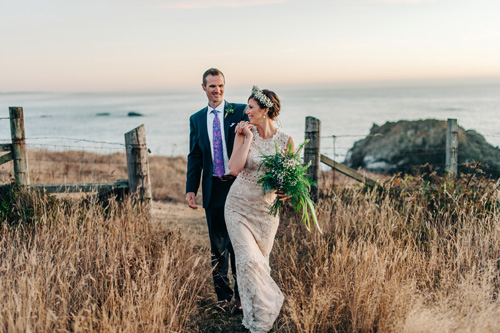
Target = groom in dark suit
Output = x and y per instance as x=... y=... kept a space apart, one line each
x=211 y=141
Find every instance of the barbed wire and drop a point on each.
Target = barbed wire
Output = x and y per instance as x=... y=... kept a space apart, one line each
x=74 y=139
x=78 y=162
x=433 y=165
x=65 y=176
x=331 y=147
x=348 y=136
x=412 y=149
x=379 y=134
x=81 y=173
x=336 y=154
x=87 y=148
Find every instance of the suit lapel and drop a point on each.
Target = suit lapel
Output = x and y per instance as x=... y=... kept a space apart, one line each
x=204 y=129
x=227 y=120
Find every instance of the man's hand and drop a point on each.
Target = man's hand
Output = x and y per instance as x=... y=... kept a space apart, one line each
x=191 y=200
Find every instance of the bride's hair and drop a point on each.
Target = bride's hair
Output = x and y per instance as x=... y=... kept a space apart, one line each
x=273 y=110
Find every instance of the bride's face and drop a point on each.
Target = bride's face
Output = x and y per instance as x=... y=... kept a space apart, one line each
x=254 y=112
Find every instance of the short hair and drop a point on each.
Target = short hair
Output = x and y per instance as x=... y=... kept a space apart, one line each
x=211 y=71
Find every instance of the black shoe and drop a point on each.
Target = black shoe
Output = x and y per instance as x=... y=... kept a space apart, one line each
x=222 y=306
x=237 y=309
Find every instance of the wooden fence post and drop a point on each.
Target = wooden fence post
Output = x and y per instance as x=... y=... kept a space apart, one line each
x=21 y=170
x=312 y=152
x=138 y=165
x=452 y=146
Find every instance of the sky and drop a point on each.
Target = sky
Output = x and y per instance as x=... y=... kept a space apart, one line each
x=121 y=45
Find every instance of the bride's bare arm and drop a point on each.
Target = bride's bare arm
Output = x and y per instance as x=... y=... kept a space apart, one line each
x=290 y=145
x=241 y=148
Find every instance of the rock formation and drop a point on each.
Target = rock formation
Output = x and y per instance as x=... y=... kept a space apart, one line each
x=407 y=146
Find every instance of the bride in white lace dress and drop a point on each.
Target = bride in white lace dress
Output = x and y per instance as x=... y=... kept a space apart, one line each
x=251 y=228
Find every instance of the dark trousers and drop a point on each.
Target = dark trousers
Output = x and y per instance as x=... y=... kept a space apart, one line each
x=220 y=244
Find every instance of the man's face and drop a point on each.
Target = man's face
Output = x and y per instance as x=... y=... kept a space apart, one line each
x=214 y=89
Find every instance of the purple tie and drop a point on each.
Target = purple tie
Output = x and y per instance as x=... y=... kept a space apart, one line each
x=218 y=154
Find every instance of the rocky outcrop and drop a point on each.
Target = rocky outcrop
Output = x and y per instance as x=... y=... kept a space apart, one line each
x=406 y=146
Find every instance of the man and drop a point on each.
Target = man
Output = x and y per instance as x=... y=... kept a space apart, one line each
x=211 y=141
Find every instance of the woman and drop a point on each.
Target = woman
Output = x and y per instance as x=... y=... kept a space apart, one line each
x=251 y=228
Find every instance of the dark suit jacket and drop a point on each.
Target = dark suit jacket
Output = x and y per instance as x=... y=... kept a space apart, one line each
x=200 y=155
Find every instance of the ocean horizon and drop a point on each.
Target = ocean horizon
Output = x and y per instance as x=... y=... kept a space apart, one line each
x=97 y=121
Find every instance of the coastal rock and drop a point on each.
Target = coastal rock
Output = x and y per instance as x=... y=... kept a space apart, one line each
x=134 y=114
x=406 y=146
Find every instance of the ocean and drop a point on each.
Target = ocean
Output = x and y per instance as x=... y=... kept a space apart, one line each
x=97 y=121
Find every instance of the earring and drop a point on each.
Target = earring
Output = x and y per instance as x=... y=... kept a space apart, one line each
x=264 y=117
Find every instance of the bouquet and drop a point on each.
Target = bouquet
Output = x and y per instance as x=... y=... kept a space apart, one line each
x=285 y=174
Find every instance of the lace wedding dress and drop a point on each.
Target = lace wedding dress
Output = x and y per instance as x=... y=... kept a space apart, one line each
x=252 y=230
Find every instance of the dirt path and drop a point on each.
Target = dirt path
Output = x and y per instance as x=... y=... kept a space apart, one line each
x=192 y=225
x=178 y=216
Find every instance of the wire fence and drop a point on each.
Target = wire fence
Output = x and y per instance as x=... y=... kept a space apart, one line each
x=55 y=159
x=77 y=160
x=339 y=147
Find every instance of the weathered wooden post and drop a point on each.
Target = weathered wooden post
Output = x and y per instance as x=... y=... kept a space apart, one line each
x=312 y=152
x=21 y=171
x=452 y=146
x=138 y=165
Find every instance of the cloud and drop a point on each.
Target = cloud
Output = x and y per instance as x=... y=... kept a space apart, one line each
x=198 y=4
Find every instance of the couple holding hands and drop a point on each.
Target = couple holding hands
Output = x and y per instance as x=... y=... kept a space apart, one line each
x=226 y=143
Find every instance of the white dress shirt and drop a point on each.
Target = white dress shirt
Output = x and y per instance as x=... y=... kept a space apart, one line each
x=210 y=128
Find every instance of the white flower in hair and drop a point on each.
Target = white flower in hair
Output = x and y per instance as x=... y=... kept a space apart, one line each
x=259 y=95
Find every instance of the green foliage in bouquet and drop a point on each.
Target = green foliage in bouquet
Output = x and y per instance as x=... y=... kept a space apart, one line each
x=284 y=173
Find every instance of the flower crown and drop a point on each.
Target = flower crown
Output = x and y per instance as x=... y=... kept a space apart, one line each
x=263 y=99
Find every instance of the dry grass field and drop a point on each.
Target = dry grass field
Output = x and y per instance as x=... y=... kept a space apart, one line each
x=415 y=255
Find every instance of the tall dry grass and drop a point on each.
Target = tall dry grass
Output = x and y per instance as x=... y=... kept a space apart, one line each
x=422 y=258
x=82 y=267
x=392 y=267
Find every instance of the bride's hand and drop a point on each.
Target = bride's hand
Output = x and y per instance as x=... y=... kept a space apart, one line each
x=283 y=197
x=243 y=128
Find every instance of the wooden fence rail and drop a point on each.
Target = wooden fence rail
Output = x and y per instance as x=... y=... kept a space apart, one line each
x=121 y=184
x=348 y=171
x=137 y=184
